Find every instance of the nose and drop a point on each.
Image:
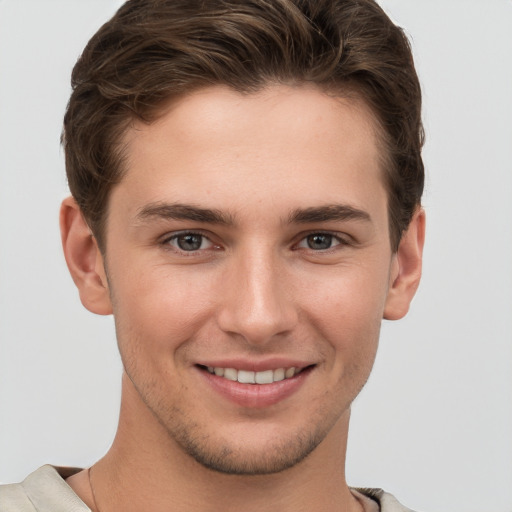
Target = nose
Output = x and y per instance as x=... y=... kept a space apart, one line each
x=257 y=298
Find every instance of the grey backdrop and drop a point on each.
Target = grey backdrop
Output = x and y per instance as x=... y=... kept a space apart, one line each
x=434 y=423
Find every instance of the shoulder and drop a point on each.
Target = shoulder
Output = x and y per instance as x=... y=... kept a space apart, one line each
x=44 y=489
x=387 y=502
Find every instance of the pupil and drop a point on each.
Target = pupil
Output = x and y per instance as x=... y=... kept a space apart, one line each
x=319 y=242
x=189 y=242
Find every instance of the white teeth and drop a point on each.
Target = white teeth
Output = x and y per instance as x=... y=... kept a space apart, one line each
x=249 y=377
x=230 y=374
x=279 y=374
x=246 y=377
x=266 y=377
x=290 y=372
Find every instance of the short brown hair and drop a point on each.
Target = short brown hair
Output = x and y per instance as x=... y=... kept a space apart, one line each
x=154 y=50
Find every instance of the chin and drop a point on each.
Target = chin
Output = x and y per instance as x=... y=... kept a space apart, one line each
x=268 y=459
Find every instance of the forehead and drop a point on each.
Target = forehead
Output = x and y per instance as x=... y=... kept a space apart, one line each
x=282 y=144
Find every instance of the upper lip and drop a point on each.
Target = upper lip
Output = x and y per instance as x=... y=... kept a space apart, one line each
x=254 y=365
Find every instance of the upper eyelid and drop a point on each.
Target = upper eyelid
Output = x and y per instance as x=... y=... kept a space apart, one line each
x=173 y=234
x=343 y=238
x=338 y=239
x=165 y=243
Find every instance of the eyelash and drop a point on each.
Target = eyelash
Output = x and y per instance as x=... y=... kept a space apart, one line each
x=336 y=237
x=166 y=242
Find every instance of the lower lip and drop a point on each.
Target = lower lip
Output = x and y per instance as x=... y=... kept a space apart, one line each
x=256 y=395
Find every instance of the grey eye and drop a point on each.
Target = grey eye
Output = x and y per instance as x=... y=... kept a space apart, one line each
x=319 y=241
x=188 y=241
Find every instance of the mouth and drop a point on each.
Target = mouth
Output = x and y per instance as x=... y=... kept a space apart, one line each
x=255 y=388
x=253 y=377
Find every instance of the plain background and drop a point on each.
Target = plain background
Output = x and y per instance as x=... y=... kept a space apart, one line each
x=434 y=424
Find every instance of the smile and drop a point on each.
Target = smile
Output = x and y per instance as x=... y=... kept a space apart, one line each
x=263 y=385
x=250 y=377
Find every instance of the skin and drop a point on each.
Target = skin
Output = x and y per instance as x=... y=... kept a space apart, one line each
x=260 y=288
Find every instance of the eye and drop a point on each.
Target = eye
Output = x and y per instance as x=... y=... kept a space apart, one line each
x=189 y=242
x=319 y=241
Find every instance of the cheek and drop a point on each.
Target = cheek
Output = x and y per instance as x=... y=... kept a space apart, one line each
x=156 y=311
x=348 y=299
x=348 y=314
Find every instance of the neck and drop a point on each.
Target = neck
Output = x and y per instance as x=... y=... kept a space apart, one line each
x=146 y=470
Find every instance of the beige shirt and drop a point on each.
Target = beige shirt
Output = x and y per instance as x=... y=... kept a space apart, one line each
x=45 y=490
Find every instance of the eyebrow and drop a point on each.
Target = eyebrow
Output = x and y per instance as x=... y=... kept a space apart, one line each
x=178 y=211
x=327 y=213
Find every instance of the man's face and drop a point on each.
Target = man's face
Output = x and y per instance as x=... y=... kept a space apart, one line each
x=249 y=240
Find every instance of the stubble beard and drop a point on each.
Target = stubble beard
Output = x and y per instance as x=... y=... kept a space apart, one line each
x=219 y=456
x=231 y=456
x=228 y=456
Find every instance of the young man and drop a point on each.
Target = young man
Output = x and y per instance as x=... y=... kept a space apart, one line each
x=246 y=181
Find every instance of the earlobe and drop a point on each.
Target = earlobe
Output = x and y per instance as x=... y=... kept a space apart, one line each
x=407 y=272
x=84 y=259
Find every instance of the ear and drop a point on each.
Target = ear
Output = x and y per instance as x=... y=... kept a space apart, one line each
x=406 y=269
x=84 y=259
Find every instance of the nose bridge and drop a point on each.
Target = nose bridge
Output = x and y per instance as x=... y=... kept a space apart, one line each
x=256 y=303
